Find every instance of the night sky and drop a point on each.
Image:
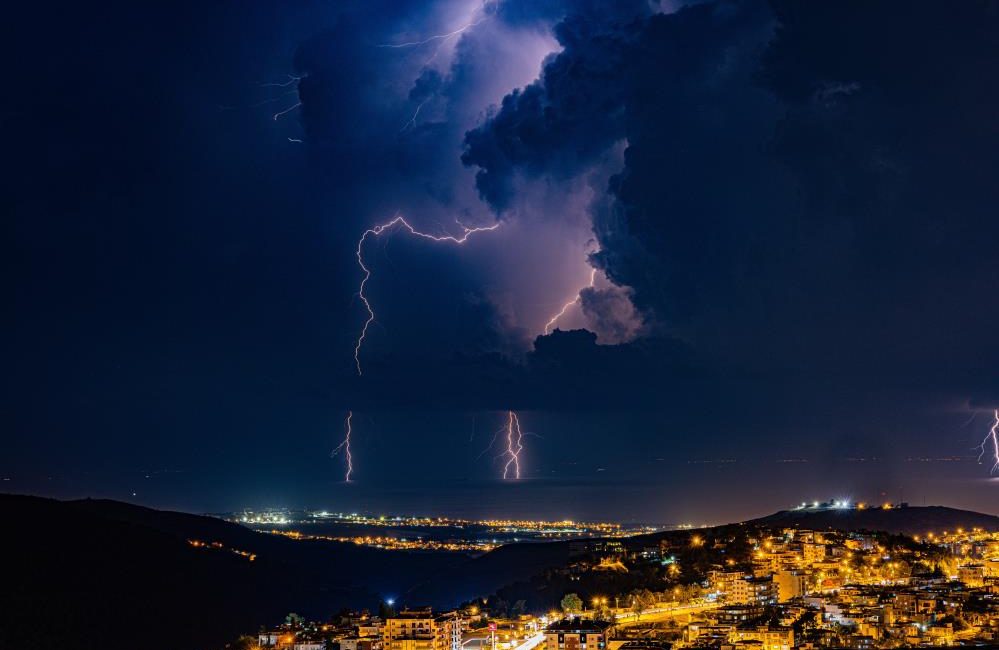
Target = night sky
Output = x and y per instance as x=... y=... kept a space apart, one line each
x=789 y=210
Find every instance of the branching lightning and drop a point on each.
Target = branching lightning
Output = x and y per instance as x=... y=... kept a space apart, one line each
x=440 y=40
x=375 y=232
x=514 y=445
x=292 y=80
x=345 y=448
x=991 y=440
x=579 y=295
x=412 y=121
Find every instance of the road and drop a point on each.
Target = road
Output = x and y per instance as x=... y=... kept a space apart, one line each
x=532 y=642
x=662 y=613
x=482 y=642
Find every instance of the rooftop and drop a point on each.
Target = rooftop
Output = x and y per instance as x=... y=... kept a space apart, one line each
x=577 y=624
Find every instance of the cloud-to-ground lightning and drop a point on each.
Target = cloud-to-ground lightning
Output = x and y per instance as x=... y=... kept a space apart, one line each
x=514 y=445
x=345 y=448
x=375 y=231
x=579 y=295
x=991 y=440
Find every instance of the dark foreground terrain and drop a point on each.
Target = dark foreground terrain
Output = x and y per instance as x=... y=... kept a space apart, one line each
x=105 y=574
x=908 y=521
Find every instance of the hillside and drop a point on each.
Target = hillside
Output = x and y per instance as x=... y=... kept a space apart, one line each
x=487 y=573
x=89 y=574
x=909 y=521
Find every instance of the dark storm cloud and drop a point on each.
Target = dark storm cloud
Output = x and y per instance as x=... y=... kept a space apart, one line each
x=565 y=120
x=565 y=371
x=768 y=210
x=803 y=183
x=611 y=312
x=428 y=84
x=384 y=127
x=548 y=11
x=803 y=211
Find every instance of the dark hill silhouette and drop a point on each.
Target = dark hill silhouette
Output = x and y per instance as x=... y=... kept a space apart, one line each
x=487 y=573
x=104 y=574
x=911 y=520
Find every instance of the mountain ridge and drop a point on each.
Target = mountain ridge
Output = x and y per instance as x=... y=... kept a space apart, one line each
x=909 y=520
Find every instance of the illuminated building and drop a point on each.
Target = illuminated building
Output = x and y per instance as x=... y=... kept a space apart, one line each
x=776 y=638
x=421 y=629
x=972 y=575
x=738 y=588
x=576 y=634
x=357 y=643
x=813 y=552
x=790 y=584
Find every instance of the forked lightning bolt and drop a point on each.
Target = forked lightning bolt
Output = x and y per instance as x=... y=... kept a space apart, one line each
x=293 y=80
x=514 y=445
x=411 y=124
x=441 y=40
x=345 y=448
x=554 y=319
x=375 y=232
x=992 y=439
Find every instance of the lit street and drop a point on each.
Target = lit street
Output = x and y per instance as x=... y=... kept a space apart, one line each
x=481 y=641
x=627 y=619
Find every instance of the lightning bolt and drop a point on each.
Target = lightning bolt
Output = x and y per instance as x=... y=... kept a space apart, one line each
x=440 y=39
x=443 y=38
x=279 y=114
x=292 y=80
x=376 y=231
x=992 y=439
x=514 y=445
x=345 y=447
x=412 y=121
x=579 y=295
